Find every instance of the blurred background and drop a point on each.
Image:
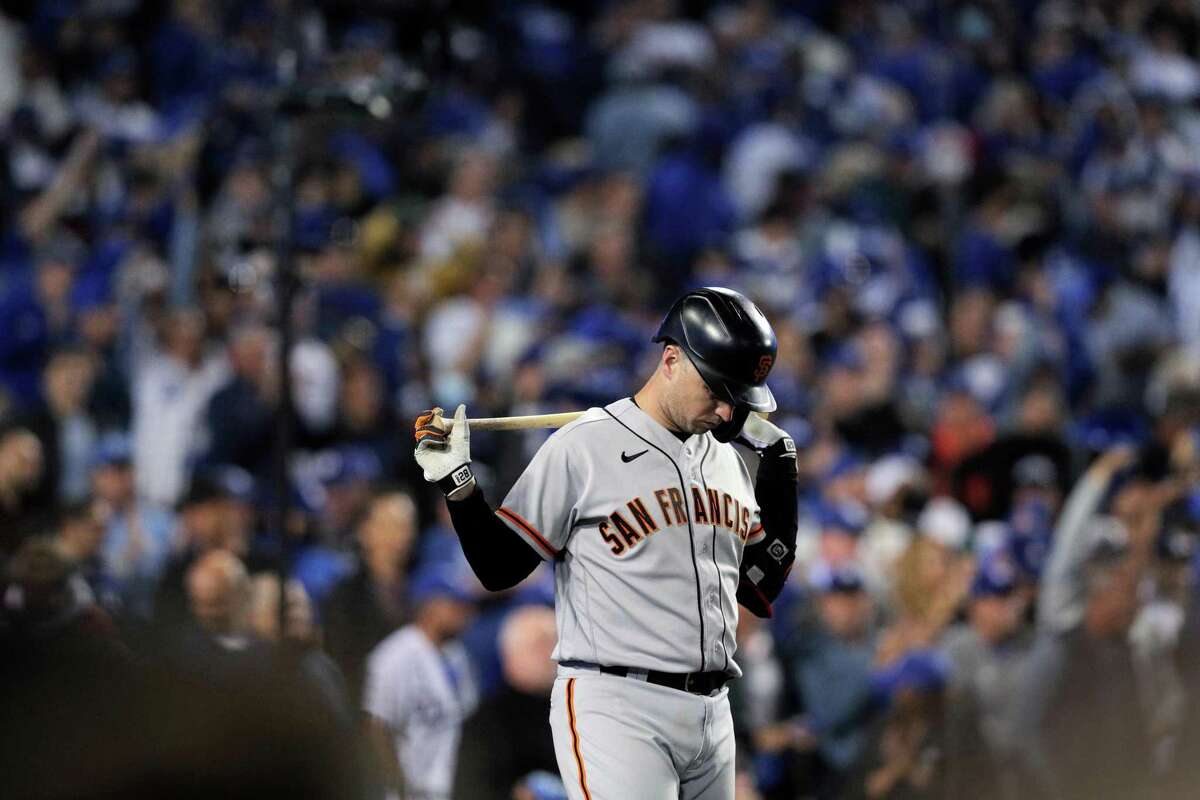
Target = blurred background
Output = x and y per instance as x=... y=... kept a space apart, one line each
x=975 y=227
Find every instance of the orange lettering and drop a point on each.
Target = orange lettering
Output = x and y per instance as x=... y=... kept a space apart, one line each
x=677 y=504
x=626 y=530
x=617 y=548
x=725 y=508
x=714 y=506
x=698 y=504
x=661 y=496
x=644 y=520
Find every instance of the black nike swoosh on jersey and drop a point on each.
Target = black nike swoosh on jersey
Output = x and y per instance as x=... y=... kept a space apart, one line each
x=627 y=459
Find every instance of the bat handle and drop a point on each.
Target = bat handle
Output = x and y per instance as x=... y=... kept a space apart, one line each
x=517 y=423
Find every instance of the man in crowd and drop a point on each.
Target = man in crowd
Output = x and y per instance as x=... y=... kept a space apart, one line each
x=500 y=749
x=1083 y=731
x=372 y=602
x=988 y=659
x=419 y=689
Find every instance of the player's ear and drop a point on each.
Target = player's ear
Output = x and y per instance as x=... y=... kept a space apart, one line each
x=670 y=361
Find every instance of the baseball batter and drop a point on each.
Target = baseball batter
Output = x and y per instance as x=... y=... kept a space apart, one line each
x=657 y=527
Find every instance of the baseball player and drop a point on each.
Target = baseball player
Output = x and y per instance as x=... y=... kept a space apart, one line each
x=657 y=527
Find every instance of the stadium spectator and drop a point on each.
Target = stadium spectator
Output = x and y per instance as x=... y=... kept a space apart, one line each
x=831 y=657
x=499 y=751
x=1089 y=732
x=904 y=755
x=373 y=600
x=171 y=391
x=988 y=660
x=137 y=535
x=419 y=688
x=78 y=537
x=23 y=511
x=62 y=423
x=297 y=643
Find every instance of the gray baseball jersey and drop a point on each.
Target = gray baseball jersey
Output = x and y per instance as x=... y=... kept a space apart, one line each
x=423 y=694
x=647 y=533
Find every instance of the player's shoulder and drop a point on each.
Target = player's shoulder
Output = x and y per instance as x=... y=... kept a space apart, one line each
x=591 y=424
x=400 y=644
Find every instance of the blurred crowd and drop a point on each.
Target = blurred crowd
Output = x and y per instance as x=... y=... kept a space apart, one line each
x=974 y=226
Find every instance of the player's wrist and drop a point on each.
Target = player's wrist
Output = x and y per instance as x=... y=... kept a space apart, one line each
x=459 y=483
x=462 y=493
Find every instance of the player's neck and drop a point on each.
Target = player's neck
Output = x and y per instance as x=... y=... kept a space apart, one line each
x=648 y=400
x=433 y=632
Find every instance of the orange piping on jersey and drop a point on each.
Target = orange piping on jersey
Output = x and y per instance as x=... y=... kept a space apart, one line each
x=575 y=738
x=754 y=531
x=517 y=520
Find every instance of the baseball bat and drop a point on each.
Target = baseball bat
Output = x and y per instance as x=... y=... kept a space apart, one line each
x=526 y=422
x=516 y=423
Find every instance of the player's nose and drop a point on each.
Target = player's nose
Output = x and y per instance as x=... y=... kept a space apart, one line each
x=724 y=411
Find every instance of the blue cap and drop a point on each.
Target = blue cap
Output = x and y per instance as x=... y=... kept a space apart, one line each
x=237 y=482
x=844 y=578
x=919 y=670
x=995 y=576
x=840 y=517
x=983 y=378
x=90 y=291
x=1031 y=519
x=113 y=448
x=843 y=465
x=1105 y=429
x=347 y=464
x=440 y=580
x=844 y=356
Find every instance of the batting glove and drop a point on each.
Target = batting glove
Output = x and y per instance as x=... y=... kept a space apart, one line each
x=445 y=459
x=768 y=439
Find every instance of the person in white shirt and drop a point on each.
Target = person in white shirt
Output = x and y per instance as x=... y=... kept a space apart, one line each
x=170 y=393
x=420 y=688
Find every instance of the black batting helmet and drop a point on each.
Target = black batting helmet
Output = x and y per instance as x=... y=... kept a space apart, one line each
x=730 y=342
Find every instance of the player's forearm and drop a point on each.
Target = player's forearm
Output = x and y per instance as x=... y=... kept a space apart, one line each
x=765 y=564
x=499 y=557
x=779 y=510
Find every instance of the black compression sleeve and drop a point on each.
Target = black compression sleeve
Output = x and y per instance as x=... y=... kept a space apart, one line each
x=500 y=558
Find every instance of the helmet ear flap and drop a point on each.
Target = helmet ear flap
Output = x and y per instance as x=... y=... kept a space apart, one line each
x=728 y=431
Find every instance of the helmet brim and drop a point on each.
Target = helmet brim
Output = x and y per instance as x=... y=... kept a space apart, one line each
x=756 y=397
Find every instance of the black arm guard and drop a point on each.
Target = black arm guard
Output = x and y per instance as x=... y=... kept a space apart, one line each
x=500 y=558
x=765 y=565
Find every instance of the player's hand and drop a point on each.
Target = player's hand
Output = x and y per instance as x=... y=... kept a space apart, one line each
x=773 y=444
x=761 y=434
x=445 y=458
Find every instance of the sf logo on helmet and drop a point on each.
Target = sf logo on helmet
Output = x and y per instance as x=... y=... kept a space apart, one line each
x=764 y=366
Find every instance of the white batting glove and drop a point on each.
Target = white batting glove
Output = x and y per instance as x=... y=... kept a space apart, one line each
x=445 y=459
x=760 y=435
x=776 y=450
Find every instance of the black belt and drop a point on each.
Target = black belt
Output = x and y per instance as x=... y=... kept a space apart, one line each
x=693 y=682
